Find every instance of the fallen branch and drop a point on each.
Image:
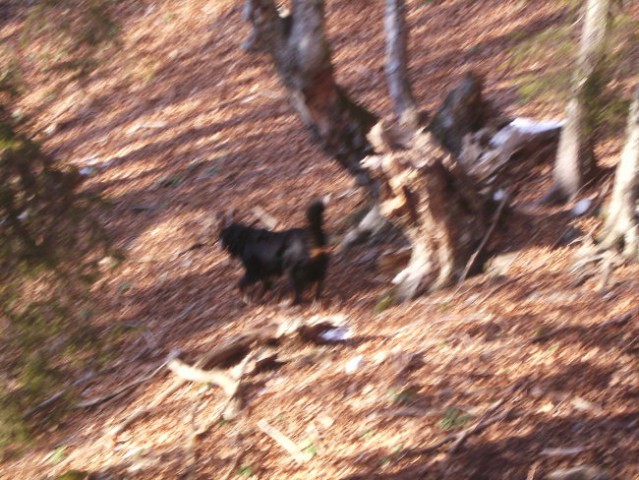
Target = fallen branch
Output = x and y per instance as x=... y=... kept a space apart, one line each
x=144 y=411
x=186 y=373
x=194 y=374
x=109 y=396
x=42 y=405
x=237 y=346
x=481 y=246
x=283 y=441
x=233 y=404
x=563 y=452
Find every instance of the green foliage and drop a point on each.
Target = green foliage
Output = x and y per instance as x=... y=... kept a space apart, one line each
x=384 y=303
x=47 y=241
x=245 y=471
x=50 y=242
x=76 y=32
x=309 y=448
x=73 y=475
x=14 y=430
x=11 y=82
x=454 y=419
x=404 y=395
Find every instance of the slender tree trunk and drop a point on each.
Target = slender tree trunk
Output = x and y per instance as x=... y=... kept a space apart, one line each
x=397 y=63
x=575 y=159
x=621 y=227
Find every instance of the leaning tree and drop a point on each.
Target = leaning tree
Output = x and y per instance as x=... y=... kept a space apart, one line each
x=433 y=180
x=575 y=159
x=620 y=226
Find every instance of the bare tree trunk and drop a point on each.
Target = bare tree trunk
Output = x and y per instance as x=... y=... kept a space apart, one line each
x=302 y=57
x=621 y=227
x=575 y=159
x=417 y=183
x=397 y=63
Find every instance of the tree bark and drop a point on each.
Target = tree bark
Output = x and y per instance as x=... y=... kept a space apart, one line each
x=620 y=226
x=430 y=197
x=575 y=159
x=302 y=57
x=463 y=112
x=397 y=63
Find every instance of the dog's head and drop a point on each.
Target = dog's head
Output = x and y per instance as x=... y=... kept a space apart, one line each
x=223 y=223
x=233 y=238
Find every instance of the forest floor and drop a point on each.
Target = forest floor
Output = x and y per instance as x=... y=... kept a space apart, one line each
x=180 y=124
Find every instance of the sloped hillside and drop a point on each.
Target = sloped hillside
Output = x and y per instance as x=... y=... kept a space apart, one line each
x=536 y=360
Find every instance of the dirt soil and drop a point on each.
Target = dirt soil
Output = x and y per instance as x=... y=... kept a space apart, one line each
x=181 y=124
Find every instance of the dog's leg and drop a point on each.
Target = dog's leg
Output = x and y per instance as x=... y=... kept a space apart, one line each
x=296 y=286
x=242 y=288
x=247 y=280
x=266 y=286
x=318 y=289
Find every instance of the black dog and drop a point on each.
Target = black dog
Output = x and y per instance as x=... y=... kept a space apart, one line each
x=298 y=252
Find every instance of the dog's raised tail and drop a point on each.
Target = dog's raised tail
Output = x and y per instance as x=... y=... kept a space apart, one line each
x=315 y=217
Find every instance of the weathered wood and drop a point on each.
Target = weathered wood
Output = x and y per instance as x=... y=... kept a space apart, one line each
x=463 y=112
x=491 y=157
x=438 y=209
x=302 y=58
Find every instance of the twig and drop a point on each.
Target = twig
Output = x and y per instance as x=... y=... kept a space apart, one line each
x=194 y=374
x=195 y=246
x=562 y=452
x=283 y=441
x=98 y=400
x=191 y=441
x=477 y=428
x=481 y=246
x=459 y=438
x=144 y=411
x=533 y=470
x=42 y=405
x=236 y=459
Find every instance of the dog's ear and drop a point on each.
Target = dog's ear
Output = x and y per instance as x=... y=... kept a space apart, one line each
x=223 y=220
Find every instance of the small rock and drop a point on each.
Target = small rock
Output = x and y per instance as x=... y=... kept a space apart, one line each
x=581 y=207
x=50 y=130
x=354 y=364
x=338 y=334
x=325 y=421
x=499 y=195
